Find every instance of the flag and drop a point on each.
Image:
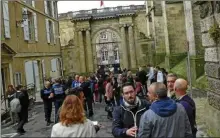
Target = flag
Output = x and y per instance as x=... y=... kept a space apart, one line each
x=101 y=3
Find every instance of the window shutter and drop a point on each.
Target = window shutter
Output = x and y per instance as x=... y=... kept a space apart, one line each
x=33 y=3
x=6 y=19
x=45 y=7
x=48 y=31
x=35 y=27
x=26 y=28
x=52 y=7
x=54 y=33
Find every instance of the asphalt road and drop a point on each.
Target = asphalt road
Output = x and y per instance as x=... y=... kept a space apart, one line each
x=36 y=126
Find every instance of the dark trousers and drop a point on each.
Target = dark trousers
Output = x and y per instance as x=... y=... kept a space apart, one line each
x=117 y=98
x=23 y=116
x=88 y=103
x=47 y=109
x=110 y=103
x=57 y=105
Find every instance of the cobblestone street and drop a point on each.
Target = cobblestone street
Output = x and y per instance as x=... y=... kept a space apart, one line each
x=36 y=127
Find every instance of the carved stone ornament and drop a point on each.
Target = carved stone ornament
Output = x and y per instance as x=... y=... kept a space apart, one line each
x=142 y=35
x=71 y=42
x=204 y=10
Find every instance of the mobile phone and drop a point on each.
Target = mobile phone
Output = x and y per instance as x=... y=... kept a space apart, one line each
x=95 y=123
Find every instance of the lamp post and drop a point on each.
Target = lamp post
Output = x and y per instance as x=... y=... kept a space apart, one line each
x=188 y=68
x=24 y=18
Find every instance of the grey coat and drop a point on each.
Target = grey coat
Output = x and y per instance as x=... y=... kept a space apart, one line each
x=176 y=125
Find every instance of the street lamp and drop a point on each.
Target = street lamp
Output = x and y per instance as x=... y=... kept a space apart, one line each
x=24 y=18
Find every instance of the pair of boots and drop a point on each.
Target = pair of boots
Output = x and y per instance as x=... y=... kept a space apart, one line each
x=48 y=122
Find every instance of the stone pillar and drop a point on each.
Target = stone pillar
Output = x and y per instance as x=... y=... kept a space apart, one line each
x=89 y=51
x=82 y=52
x=132 y=47
x=212 y=64
x=124 y=48
x=189 y=27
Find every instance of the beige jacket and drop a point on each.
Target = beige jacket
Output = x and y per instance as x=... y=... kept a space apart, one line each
x=77 y=130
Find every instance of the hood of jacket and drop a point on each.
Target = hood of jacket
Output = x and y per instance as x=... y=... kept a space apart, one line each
x=164 y=107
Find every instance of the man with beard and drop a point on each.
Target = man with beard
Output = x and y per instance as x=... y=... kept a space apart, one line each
x=171 y=78
x=126 y=117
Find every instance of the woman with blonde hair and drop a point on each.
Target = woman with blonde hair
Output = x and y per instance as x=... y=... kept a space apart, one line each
x=73 y=122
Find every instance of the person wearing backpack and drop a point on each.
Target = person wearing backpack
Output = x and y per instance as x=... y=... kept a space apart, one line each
x=59 y=95
x=46 y=96
x=23 y=104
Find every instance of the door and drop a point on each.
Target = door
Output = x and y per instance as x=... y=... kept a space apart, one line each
x=36 y=75
x=29 y=73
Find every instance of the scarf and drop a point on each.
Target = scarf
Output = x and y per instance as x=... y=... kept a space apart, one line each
x=137 y=102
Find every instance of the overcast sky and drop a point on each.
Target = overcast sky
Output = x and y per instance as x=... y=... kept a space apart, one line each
x=66 y=6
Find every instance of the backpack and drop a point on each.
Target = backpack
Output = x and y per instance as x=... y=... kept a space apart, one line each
x=15 y=105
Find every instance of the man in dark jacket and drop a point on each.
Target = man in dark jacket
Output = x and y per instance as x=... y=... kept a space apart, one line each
x=142 y=75
x=85 y=85
x=47 y=99
x=23 y=97
x=127 y=116
x=58 y=95
x=183 y=98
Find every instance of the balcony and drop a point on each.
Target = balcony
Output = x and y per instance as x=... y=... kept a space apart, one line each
x=107 y=12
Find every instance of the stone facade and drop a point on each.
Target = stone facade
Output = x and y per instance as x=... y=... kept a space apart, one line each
x=210 y=14
x=29 y=40
x=109 y=36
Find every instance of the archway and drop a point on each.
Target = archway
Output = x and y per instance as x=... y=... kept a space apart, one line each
x=107 y=45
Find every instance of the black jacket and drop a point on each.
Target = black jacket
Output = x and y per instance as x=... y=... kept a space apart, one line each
x=24 y=100
x=45 y=93
x=123 y=118
x=86 y=89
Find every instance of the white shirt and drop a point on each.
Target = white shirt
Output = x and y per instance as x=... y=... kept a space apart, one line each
x=159 y=76
x=151 y=73
x=86 y=129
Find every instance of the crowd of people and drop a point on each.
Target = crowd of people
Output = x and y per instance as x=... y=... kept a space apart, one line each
x=150 y=103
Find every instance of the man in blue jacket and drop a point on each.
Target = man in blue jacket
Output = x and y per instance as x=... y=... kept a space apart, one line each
x=59 y=95
x=126 y=117
x=47 y=99
x=183 y=98
x=76 y=82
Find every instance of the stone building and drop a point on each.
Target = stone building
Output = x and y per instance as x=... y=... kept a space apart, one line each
x=110 y=36
x=210 y=29
x=30 y=46
x=172 y=24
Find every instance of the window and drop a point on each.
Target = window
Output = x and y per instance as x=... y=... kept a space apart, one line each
x=49 y=8
x=116 y=55
x=104 y=55
x=30 y=2
x=31 y=26
x=55 y=10
x=50 y=31
x=103 y=35
x=6 y=19
x=17 y=78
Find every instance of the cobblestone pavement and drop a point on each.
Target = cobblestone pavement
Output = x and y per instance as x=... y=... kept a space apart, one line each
x=36 y=127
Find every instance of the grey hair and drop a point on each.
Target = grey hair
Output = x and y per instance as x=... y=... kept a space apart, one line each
x=159 y=89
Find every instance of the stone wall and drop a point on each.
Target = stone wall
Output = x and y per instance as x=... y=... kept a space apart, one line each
x=210 y=14
x=70 y=59
x=66 y=32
